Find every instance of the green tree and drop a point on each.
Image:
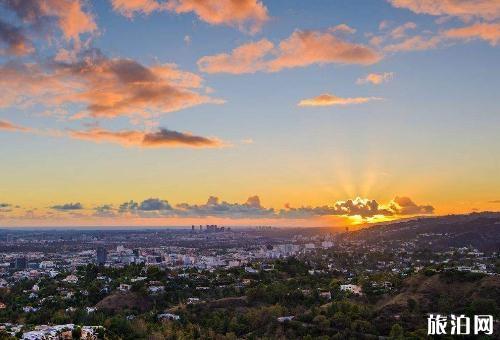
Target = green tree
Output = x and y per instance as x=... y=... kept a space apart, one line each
x=397 y=332
x=76 y=333
x=412 y=304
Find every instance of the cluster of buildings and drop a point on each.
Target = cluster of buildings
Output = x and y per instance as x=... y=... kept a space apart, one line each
x=191 y=252
x=52 y=332
x=189 y=257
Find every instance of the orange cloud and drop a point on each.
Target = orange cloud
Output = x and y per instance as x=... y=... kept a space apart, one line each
x=343 y=28
x=395 y=33
x=304 y=48
x=73 y=20
x=331 y=100
x=247 y=58
x=363 y=207
x=129 y=7
x=415 y=43
x=28 y=84
x=162 y=138
x=70 y=15
x=376 y=78
x=400 y=31
x=115 y=87
x=14 y=40
x=242 y=13
x=405 y=206
x=301 y=49
x=465 y=9
x=487 y=32
x=4 y=125
x=107 y=87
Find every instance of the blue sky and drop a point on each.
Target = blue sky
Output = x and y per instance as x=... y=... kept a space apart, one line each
x=429 y=132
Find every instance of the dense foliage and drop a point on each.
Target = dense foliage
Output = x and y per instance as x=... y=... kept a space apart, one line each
x=234 y=303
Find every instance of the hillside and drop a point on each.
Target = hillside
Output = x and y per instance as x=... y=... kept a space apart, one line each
x=479 y=230
x=444 y=293
x=122 y=301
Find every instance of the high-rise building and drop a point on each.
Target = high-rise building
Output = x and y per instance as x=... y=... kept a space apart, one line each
x=21 y=263
x=102 y=255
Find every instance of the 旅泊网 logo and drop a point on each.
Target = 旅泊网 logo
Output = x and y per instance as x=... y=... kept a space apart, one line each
x=438 y=324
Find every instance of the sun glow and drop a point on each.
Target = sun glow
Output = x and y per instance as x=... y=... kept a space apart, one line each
x=359 y=220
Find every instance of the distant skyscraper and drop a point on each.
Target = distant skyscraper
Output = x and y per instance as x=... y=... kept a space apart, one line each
x=102 y=255
x=21 y=263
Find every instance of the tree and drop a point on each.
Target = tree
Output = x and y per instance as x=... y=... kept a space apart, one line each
x=321 y=321
x=412 y=304
x=483 y=306
x=76 y=333
x=363 y=326
x=397 y=332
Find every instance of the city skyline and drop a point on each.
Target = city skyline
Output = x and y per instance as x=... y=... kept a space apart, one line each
x=325 y=113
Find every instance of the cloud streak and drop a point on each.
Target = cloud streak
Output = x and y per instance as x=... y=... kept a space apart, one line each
x=481 y=15
x=300 y=49
x=464 y=9
x=401 y=31
x=5 y=125
x=376 y=78
x=248 y=15
x=161 y=138
x=5 y=207
x=247 y=58
x=415 y=43
x=487 y=32
x=333 y=100
x=304 y=48
x=67 y=207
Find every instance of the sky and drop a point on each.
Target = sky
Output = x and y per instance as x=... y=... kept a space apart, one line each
x=247 y=112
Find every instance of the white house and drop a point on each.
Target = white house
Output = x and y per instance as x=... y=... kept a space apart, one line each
x=326 y=295
x=124 y=287
x=251 y=270
x=156 y=289
x=71 y=279
x=285 y=318
x=168 y=316
x=193 y=300
x=355 y=289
